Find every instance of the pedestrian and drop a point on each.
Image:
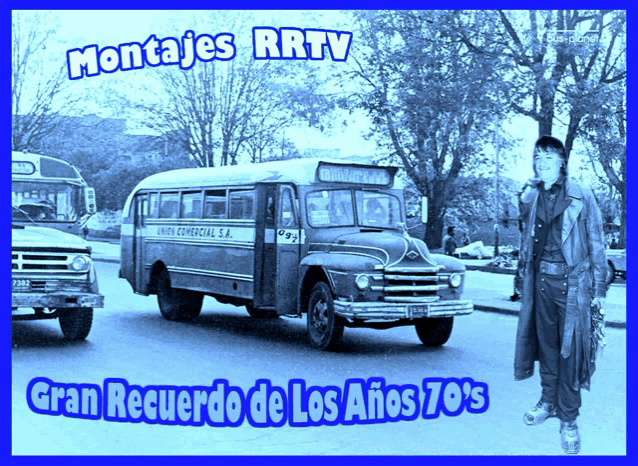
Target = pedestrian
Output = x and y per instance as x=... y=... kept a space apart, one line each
x=563 y=282
x=614 y=243
x=449 y=243
x=85 y=231
x=465 y=239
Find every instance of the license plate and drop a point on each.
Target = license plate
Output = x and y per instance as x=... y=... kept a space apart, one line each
x=21 y=284
x=419 y=311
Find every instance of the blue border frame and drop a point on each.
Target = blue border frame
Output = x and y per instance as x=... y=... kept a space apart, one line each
x=279 y=4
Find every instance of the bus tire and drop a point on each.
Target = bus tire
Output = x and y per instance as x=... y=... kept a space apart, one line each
x=176 y=304
x=261 y=313
x=434 y=331
x=325 y=328
x=75 y=322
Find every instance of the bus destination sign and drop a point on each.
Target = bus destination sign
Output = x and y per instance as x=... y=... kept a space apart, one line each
x=22 y=168
x=338 y=173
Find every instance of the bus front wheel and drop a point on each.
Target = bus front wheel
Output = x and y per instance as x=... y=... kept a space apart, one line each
x=325 y=328
x=76 y=322
x=176 y=304
x=434 y=331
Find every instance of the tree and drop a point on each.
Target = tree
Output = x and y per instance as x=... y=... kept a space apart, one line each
x=475 y=202
x=219 y=110
x=38 y=99
x=606 y=134
x=431 y=100
x=555 y=57
x=568 y=68
x=113 y=185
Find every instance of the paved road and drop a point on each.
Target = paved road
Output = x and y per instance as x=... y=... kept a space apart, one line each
x=131 y=340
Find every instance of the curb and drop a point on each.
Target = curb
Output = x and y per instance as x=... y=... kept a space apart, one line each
x=500 y=310
x=106 y=259
x=477 y=307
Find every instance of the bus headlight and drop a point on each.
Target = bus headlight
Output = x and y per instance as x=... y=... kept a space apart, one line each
x=81 y=263
x=362 y=282
x=455 y=280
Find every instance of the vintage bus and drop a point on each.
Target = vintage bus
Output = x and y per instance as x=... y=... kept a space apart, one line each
x=51 y=267
x=321 y=238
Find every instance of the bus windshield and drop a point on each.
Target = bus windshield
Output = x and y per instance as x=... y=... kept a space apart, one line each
x=336 y=208
x=45 y=202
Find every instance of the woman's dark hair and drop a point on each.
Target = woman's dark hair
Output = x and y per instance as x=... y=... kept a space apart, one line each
x=551 y=144
x=450 y=230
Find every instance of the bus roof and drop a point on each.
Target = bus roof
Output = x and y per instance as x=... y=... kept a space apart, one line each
x=26 y=165
x=298 y=171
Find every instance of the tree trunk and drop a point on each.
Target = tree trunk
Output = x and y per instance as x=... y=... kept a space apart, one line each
x=225 y=150
x=546 y=116
x=434 y=227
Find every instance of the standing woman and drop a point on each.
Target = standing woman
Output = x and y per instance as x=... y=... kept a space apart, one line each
x=563 y=279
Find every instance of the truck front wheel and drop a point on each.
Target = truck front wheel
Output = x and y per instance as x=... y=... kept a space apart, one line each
x=434 y=331
x=76 y=322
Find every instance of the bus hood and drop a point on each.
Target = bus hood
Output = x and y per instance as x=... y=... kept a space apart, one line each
x=387 y=248
x=46 y=238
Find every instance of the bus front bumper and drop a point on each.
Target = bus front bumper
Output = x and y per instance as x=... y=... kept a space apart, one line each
x=392 y=311
x=57 y=300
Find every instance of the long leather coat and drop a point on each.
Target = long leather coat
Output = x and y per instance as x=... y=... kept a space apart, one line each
x=584 y=251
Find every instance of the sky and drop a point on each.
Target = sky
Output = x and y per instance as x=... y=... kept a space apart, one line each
x=77 y=29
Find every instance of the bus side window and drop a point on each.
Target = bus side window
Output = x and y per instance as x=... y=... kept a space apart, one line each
x=215 y=203
x=288 y=218
x=152 y=209
x=142 y=208
x=169 y=205
x=191 y=204
x=242 y=205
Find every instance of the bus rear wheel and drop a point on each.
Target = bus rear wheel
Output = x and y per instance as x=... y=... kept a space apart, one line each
x=176 y=304
x=75 y=322
x=434 y=331
x=325 y=328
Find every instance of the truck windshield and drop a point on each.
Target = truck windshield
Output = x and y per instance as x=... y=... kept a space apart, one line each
x=45 y=202
x=335 y=208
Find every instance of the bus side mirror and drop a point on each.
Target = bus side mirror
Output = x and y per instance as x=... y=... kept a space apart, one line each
x=424 y=209
x=89 y=200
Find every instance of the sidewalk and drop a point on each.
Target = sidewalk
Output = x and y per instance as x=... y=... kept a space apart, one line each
x=489 y=289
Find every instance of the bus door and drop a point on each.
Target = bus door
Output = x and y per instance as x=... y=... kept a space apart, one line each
x=265 y=247
x=277 y=247
x=139 y=252
x=288 y=243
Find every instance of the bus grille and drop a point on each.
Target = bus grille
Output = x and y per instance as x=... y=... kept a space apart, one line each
x=404 y=285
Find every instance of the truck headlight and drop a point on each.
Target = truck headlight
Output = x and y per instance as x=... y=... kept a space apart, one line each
x=455 y=280
x=81 y=263
x=362 y=282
